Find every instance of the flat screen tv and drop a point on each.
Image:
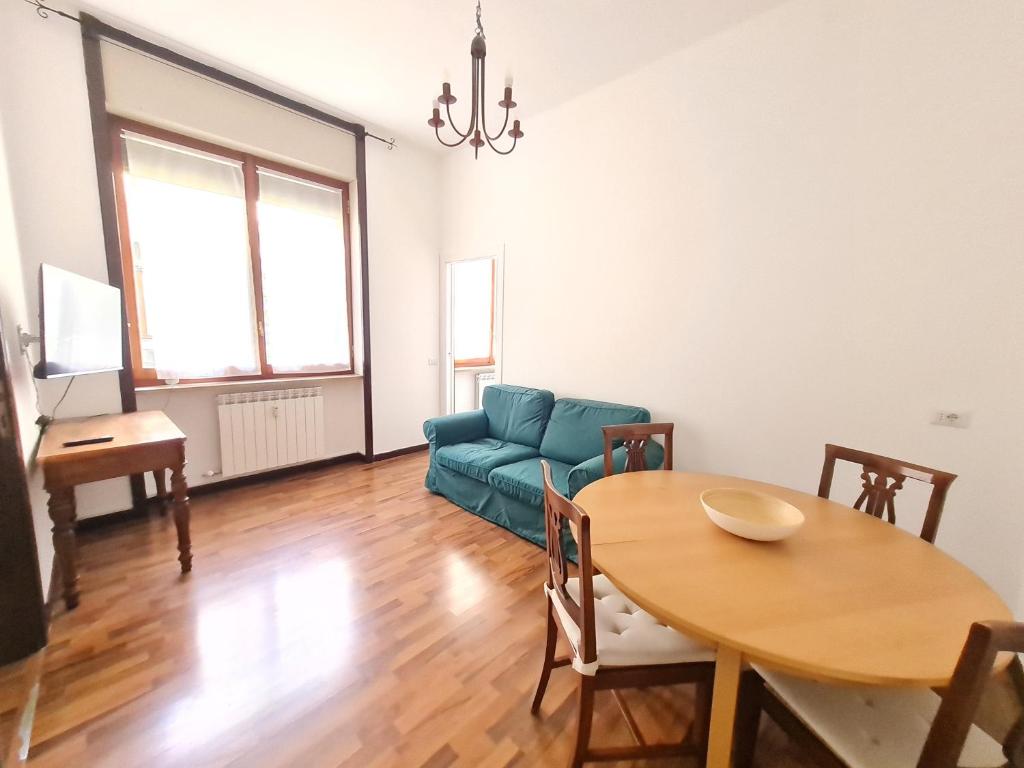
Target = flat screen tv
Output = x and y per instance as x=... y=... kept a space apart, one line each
x=79 y=324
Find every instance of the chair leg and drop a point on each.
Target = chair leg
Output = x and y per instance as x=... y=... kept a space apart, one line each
x=549 y=659
x=584 y=721
x=748 y=719
x=701 y=727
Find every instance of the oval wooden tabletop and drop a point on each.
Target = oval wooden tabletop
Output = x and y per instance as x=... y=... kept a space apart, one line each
x=847 y=598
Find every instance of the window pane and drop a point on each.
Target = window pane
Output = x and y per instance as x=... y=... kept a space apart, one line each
x=472 y=296
x=193 y=276
x=302 y=259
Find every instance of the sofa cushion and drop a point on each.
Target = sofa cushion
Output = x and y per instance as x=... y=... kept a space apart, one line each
x=574 y=429
x=524 y=480
x=517 y=414
x=477 y=458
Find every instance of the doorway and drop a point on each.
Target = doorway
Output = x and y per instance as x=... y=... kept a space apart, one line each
x=472 y=331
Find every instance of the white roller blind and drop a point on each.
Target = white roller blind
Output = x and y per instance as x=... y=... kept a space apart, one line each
x=148 y=158
x=190 y=248
x=303 y=247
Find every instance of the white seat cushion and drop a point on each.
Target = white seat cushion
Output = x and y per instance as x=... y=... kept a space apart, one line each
x=872 y=727
x=626 y=634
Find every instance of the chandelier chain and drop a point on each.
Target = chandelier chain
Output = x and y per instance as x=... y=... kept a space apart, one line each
x=479 y=23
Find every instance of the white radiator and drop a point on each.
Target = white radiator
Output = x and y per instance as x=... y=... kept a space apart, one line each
x=261 y=430
x=483 y=381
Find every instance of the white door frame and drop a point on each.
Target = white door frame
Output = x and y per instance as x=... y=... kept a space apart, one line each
x=447 y=388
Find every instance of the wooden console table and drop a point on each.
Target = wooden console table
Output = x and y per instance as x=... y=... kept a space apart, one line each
x=144 y=441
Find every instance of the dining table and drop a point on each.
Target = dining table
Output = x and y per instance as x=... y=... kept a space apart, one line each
x=847 y=599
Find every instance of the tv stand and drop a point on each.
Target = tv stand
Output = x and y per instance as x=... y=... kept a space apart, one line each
x=131 y=443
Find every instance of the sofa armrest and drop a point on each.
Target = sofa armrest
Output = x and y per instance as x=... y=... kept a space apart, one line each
x=455 y=428
x=590 y=470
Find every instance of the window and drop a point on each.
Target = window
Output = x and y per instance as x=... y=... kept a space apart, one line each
x=235 y=267
x=473 y=312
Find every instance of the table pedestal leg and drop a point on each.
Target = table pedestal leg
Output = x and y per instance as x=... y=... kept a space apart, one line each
x=62 y=512
x=728 y=665
x=182 y=515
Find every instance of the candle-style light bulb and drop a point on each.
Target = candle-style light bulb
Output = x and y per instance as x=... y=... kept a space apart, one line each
x=506 y=102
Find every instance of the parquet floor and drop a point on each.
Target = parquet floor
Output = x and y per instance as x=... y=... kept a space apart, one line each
x=343 y=617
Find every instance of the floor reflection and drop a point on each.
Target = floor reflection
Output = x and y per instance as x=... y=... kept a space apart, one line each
x=262 y=643
x=467 y=585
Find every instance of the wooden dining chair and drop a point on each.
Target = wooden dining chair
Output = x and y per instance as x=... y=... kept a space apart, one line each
x=614 y=643
x=881 y=479
x=635 y=438
x=864 y=727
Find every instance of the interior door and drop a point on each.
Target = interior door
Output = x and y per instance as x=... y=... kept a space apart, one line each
x=22 y=615
x=471 y=329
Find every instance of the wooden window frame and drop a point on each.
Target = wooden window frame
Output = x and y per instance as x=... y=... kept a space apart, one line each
x=477 y=362
x=146 y=377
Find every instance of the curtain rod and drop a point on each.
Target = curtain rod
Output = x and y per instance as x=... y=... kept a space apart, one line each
x=94 y=27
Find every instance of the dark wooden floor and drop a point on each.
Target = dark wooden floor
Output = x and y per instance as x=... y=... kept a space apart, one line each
x=344 y=617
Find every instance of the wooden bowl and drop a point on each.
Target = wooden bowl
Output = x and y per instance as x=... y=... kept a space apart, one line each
x=750 y=514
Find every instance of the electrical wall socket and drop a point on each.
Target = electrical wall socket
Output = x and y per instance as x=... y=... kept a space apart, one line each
x=951 y=419
x=431 y=361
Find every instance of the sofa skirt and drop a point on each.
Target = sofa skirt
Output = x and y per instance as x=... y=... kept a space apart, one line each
x=485 y=501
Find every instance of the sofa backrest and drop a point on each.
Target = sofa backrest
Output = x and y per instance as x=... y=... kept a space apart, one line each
x=574 y=429
x=517 y=414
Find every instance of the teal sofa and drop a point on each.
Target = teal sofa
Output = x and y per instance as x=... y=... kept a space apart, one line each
x=488 y=461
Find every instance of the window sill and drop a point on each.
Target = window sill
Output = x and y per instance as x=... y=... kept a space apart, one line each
x=474 y=368
x=246 y=382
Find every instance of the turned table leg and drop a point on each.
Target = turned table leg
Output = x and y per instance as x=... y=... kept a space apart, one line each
x=182 y=514
x=62 y=512
x=161 y=489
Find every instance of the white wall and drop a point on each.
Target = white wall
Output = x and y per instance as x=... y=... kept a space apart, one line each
x=56 y=214
x=55 y=202
x=14 y=312
x=404 y=227
x=805 y=228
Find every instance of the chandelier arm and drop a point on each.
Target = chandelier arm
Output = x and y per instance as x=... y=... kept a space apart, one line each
x=498 y=151
x=483 y=107
x=475 y=117
x=451 y=122
x=437 y=132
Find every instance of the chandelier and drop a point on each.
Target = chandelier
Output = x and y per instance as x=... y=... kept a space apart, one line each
x=476 y=133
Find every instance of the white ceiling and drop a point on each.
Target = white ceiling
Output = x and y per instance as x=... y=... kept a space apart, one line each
x=382 y=61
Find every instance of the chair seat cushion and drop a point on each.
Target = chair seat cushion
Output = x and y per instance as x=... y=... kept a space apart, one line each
x=524 y=480
x=626 y=634
x=869 y=727
x=477 y=458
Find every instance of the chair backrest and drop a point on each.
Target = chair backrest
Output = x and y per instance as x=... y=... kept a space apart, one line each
x=635 y=438
x=881 y=478
x=559 y=514
x=952 y=722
